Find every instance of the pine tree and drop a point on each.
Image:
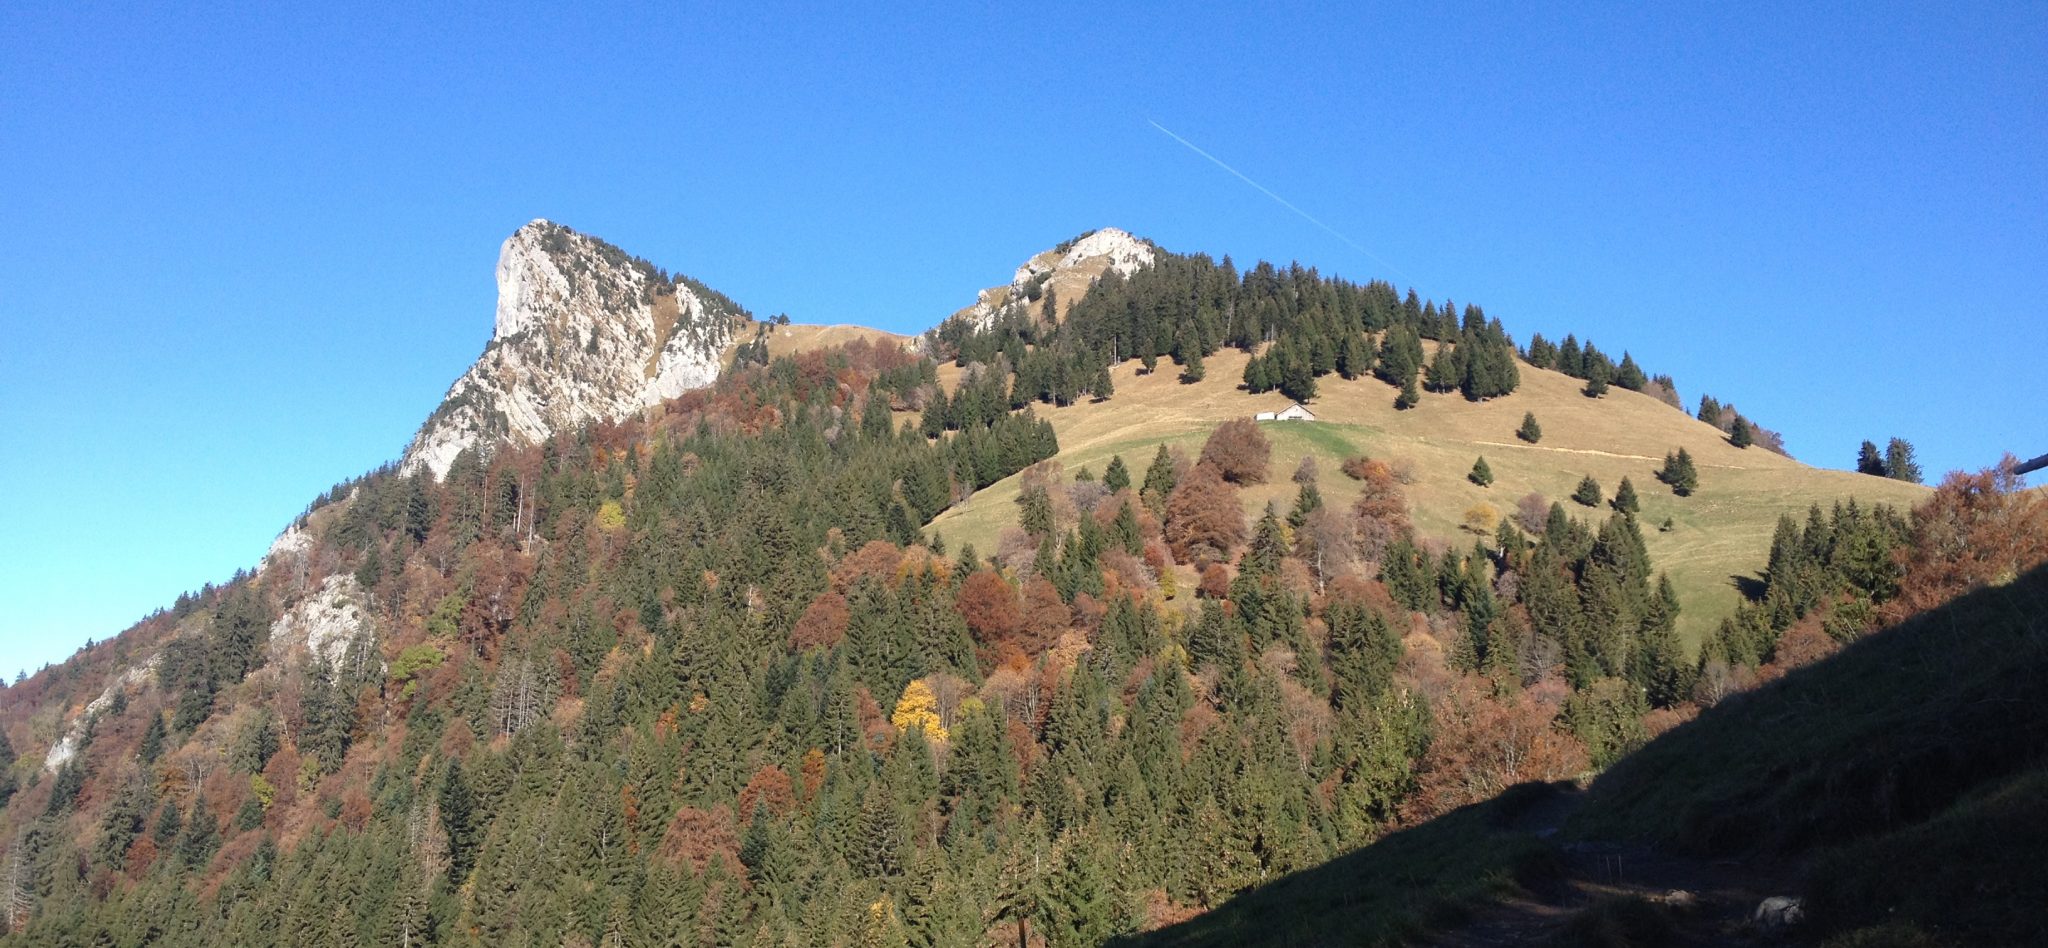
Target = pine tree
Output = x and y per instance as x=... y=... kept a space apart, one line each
x=1679 y=472
x=1530 y=430
x=1116 y=477
x=1588 y=493
x=1898 y=461
x=1481 y=474
x=1869 y=460
x=1629 y=375
x=1354 y=357
x=1191 y=370
x=1409 y=396
x=1625 y=498
x=1364 y=651
x=1160 y=479
x=1740 y=436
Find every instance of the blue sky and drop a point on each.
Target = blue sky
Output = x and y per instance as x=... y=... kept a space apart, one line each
x=249 y=248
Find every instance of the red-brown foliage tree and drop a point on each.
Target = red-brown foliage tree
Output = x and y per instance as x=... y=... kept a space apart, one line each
x=769 y=788
x=1045 y=615
x=698 y=836
x=1203 y=517
x=823 y=623
x=1482 y=745
x=876 y=559
x=1238 y=451
x=1977 y=530
x=989 y=604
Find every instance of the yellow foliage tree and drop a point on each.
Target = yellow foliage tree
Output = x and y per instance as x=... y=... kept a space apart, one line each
x=611 y=517
x=265 y=793
x=919 y=708
x=1481 y=518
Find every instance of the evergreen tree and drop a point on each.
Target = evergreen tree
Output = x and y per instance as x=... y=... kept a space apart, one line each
x=1481 y=474
x=1625 y=498
x=1409 y=396
x=1364 y=651
x=1588 y=492
x=153 y=739
x=7 y=780
x=1160 y=479
x=1740 y=436
x=1191 y=370
x=1898 y=461
x=1116 y=477
x=1869 y=460
x=1679 y=472
x=1530 y=430
x=1629 y=375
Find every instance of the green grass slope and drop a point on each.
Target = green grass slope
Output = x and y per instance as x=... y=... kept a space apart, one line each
x=1721 y=532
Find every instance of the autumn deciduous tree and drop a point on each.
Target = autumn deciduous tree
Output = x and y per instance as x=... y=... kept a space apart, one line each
x=771 y=789
x=1481 y=745
x=823 y=623
x=1203 y=517
x=1981 y=529
x=918 y=709
x=1238 y=451
x=1045 y=615
x=1381 y=512
x=989 y=604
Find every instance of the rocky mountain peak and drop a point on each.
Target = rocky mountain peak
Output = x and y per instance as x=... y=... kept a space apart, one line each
x=1066 y=270
x=585 y=332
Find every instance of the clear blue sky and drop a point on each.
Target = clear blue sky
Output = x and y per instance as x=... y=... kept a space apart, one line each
x=249 y=248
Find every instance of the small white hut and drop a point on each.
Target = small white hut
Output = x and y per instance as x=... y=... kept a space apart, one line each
x=1294 y=412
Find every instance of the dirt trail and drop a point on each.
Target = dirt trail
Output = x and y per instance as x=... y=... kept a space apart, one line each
x=1709 y=901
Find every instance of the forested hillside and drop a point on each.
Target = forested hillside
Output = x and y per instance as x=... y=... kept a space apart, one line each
x=716 y=674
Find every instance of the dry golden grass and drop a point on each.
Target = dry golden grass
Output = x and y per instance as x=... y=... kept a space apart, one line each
x=1723 y=531
x=795 y=338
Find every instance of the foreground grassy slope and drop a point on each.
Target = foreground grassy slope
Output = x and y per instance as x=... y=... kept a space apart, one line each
x=1904 y=780
x=1721 y=532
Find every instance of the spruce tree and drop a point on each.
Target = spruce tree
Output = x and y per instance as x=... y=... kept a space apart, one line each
x=1116 y=476
x=1409 y=396
x=1625 y=498
x=1588 y=492
x=1629 y=375
x=1191 y=370
x=1740 y=436
x=1679 y=472
x=1898 y=461
x=1869 y=460
x=1481 y=474
x=1530 y=430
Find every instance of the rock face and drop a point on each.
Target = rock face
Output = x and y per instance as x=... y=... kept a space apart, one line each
x=1066 y=270
x=66 y=746
x=584 y=333
x=323 y=625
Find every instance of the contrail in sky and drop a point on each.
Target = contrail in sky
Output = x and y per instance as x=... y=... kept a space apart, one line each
x=1311 y=218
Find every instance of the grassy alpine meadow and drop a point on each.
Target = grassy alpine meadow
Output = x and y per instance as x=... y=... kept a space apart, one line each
x=1718 y=535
